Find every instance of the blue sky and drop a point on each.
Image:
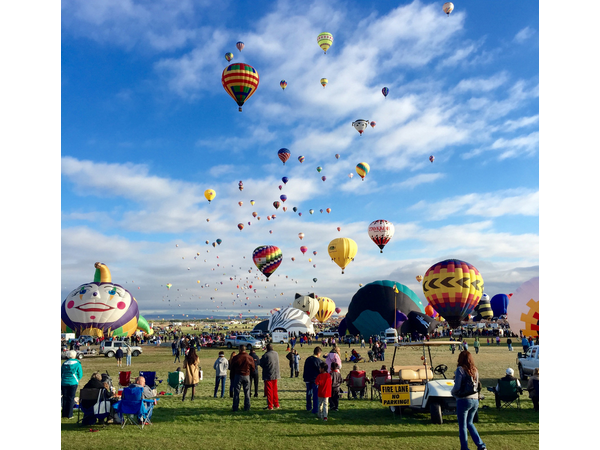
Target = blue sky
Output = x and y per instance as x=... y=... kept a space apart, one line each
x=146 y=128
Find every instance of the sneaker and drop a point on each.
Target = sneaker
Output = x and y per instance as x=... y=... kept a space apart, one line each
x=277 y=407
x=325 y=419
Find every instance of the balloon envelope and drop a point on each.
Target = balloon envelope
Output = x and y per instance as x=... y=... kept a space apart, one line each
x=284 y=154
x=524 y=309
x=307 y=303
x=499 y=304
x=360 y=125
x=380 y=232
x=362 y=169
x=326 y=309
x=267 y=258
x=342 y=251
x=325 y=40
x=240 y=81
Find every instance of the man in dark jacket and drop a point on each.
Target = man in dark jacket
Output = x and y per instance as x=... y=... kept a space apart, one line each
x=119 y=356
x=311 y=371
x=270 y=367
x=254 y=374
x=508 y=377
x=242 y=365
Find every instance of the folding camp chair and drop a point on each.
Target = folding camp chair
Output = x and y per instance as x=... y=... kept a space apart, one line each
x=175 y=381
x=151 y=380
x=507 y=393
x=378 y=378
x=124 y=378
x=133 y=408
x=94 y=405
x=356 y=382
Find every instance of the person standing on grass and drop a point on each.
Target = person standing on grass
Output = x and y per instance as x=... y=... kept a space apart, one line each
x=296 y=361
x=509 y=343
x=311 y=371
x=476 y=344
x=336 y=383
x=241 y=366
x=128 y=355
x=192 y=374
x=270 y=372
x=231 y=374
x=221 y=365
x=254 y=375
x=333 y=356
x=119 y=356
x=323 y=382
x=466 y=407
x=70 y=374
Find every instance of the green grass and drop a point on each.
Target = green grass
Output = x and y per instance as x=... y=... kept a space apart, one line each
x=360 y=424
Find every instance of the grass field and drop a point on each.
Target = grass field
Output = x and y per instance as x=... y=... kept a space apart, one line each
x=209 y=423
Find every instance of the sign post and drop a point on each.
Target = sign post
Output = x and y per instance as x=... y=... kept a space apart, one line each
x=395 y=395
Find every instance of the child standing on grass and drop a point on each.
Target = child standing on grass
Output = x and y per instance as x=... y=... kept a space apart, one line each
x=323 y=381
x=336 y=382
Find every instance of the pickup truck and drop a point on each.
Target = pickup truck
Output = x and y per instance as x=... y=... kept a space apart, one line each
x=243 y=339
x=527 y=362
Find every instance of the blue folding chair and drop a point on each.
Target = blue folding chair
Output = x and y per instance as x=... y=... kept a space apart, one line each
x=133 y=408
x=150 y=379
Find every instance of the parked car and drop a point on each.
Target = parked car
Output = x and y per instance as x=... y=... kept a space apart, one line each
x=528 y=362
x=243 y=339
x=109 y=349
x=64 y=353
x=85 y=339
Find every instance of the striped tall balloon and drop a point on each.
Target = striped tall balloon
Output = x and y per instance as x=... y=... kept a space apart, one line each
x=362 y=169
x=326 y=309
x=240 y=81
x=267 y=258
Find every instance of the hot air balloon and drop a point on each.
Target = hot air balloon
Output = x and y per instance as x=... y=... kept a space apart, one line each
x=303 y=249
x=483 y=309
x=283 y=198
x=350 y=175
x=524 y=309
x=301 y=159
x=219 y=241
x=252 y=202
x=102 y=308
x=240 y=81
x=324 y=82
x=338 y=310
x=373 y=123
x=210 y=195
x=315 y=253
x=325 y=40
x=309 y=259
x=430 y=311
x=228 y=56
x=283 y=84
x=295 y=209
x=499 y=304
x=337 y=156
x=360 y=125
x=385 y=91
x=314 y=280
x=326 y=309
x=453 y=288
x=448 y=8
x=319 y=169
x=276 y=205
x=285 y=180
x=307 y=303
x=240 y=203
x=342 y=251
x=169 y=285
x=362 y=169
x=240 y=46
x=321 y=211
x=310 y=211
x=267 y=258
x=323 y=178
x=284 y=208
x=380 y=232
x=254 y=214
x=419 y=278
x=280 y=187
x=284 y=155
x=431 y=158
x=328 y=210
x=339 y=228
x=241 y=226
x=301 y=236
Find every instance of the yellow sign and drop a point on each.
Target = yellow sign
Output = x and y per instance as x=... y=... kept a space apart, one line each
x=395 y=395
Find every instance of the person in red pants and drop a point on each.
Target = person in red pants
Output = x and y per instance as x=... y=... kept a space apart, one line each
x=270 y=373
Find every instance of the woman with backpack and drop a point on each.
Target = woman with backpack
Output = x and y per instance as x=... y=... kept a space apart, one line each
x=465 y=390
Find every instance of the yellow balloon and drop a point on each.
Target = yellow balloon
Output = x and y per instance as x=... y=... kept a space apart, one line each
x=326 y=309
x=209 y=194
x=342 y=251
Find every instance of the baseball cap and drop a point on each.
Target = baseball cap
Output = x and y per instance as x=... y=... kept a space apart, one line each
x=509 y=371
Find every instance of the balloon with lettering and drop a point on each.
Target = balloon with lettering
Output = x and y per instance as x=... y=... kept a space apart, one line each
x=380 y=232
x=102 y=308
x=240 y=81
x=267 y=259
x=342 y=251
x=453 y=288
x=524 y=309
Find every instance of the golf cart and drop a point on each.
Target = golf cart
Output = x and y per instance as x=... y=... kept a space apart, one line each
x=427 y=395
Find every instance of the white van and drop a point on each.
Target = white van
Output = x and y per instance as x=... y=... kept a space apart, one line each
x=391 y=336
x=280 y=337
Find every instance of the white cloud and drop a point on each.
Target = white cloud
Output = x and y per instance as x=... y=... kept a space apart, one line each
x=482 y=84
x=524 y=34
x=521 y=145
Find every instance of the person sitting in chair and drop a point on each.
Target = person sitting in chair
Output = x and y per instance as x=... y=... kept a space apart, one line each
x=355 y=373
x=97 y=383
x=508 y=377
x=141 y=382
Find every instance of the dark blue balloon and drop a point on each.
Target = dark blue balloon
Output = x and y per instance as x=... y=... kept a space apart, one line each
x=499 y=304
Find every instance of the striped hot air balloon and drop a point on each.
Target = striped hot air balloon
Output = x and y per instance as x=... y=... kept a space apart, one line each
x=362 y=169
x=240 y=82
x=380 y=232
x=484 y=309
x=284 y=154
x=325 y=40
x=267 y=258
x=326 y=309
x=453 y=288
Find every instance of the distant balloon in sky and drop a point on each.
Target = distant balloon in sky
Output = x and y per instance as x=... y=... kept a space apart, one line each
x=380 y=232
x=283 y=84
x=284 y=154
x=385 y=91
x=325 y=40
x=419 y=278
x=350 y=175
x=241 y=226
x=448 y=7
x=324 y=82
x=228 y=56
x=285 y=180
x=323 y=178
x=337 y=156
x=210 y=195
x=301 y=159
x=360 y=125
x=319 y=169
x=328 y=210
x=362 y=169
x=276 y=205
x=283 y=198
x=301 y=236
x=240 y=45
x=240 y=81
x=431 y=158
x=267 y=258
x=303 y=249
x=310 y=211
x=373 y=123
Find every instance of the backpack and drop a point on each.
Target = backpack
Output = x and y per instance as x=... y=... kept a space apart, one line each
x=467 y=387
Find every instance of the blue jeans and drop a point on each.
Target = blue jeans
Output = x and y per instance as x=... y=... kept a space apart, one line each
x=68 y=399
x=222 y=379
x=312 y=397
x=465 y=412
x=241 y=382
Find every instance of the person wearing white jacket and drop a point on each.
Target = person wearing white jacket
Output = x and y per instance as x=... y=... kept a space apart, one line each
x=221 y=366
